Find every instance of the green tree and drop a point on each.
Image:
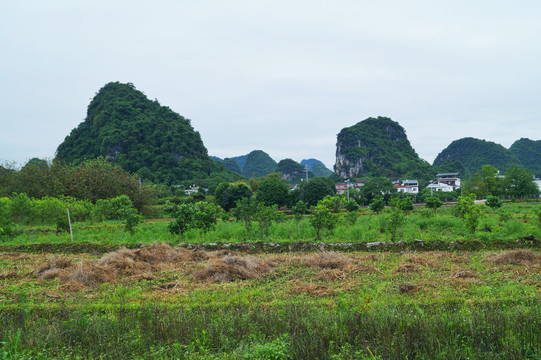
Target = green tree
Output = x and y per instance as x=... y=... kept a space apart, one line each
x=519 y=182
x=185 y=219
x=245 y=211
x=377 y=204
x=493 y=202
x=323 y=217
x=378 y=186
x=272 y=191
x=316 y=189
x=300 y=209
x=227 y=194
x=207 y=215
x=433 y=203
x=396 y=218
x=202 y=216
x=265 y=215
x=469 y=211
x=351 y=206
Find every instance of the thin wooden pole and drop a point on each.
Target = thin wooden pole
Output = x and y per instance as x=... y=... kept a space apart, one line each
x=69 y=222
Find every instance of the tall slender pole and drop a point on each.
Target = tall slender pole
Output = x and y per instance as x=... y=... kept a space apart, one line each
x=69 y=222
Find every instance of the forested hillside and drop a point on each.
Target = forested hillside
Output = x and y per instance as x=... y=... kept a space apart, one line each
x=317 y=167
x=258 y=163
x=378 y=147
x=292 y=171
x=473 y=153
x=139 y=134
x=529 y=153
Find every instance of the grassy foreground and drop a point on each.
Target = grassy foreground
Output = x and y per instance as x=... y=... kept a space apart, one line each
x=162 y=302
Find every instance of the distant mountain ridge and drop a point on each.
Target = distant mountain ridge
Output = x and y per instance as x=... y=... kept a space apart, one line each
x=317 y=167
x=258 y=163
x=529 y=153
x=471 y=154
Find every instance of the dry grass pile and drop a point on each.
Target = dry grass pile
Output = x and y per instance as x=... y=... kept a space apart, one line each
x=121 y=262
x=521 y=257
x=52 y=267
x=463 y=274
x=421 y=260
x=407 y=268
x=231 y=268
x=329 y=260
x=331 y=275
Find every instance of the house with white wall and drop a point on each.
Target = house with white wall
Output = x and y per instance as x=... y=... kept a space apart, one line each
x=446 y=182
x=407 y=187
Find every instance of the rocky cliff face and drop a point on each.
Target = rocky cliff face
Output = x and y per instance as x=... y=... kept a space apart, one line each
x=377 y=147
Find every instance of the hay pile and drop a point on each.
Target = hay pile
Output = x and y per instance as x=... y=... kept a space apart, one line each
x=521 y=257
x=231 y=268
x=329 y=260
x=118 y=263
x=407 y=269
x=150 y=259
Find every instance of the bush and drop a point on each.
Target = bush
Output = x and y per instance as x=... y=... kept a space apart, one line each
x=275 y=350
x=466 y=209
x=494 y=202
x=377 y=205
x=323 y=217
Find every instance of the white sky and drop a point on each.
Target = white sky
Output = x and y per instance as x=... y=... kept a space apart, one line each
x=280 y=76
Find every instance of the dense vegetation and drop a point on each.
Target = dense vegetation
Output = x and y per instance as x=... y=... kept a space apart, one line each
x=529 y=153
x=516 y=183
x=127 y=128
x=473 y=153
x=91 y=181
x=258 y=163
x=292 y=171
x=378 y=147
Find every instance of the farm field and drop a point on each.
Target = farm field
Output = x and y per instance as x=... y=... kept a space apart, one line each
x=112 y=295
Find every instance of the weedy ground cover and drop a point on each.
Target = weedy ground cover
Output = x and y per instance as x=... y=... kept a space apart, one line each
x=164 y=302
x=511 y=222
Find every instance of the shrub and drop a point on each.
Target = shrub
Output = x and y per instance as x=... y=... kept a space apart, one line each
x=323 y=216
x=377 y=205
x=494 y=202
x=470 y=212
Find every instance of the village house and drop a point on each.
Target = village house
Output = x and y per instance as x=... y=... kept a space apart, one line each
x=446 y=182
x=192 y=190
x=343 y=186
x=407 y=187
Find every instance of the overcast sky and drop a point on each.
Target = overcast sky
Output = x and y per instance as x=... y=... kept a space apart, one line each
x=280 y=76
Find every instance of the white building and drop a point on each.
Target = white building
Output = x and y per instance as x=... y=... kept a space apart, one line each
x=407 y=186
x=446 y=182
